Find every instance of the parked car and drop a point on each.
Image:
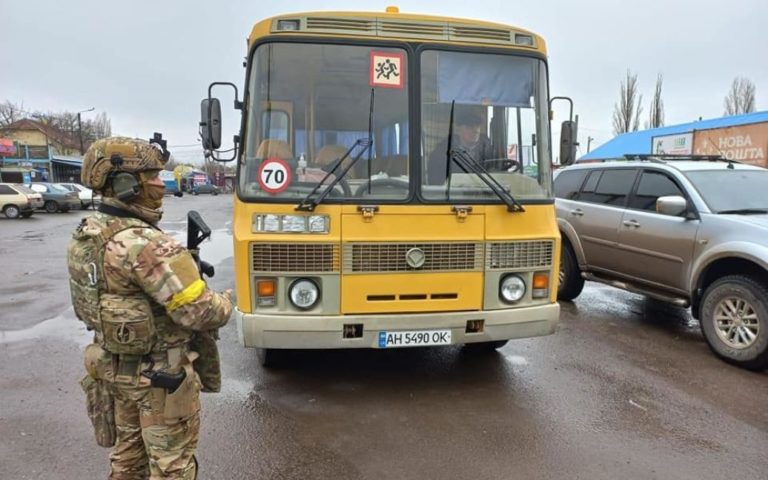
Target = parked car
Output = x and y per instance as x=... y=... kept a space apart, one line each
x=205 y=188
x=56 y=198
x=18 y=201
x=87 y=198
x=687 y=231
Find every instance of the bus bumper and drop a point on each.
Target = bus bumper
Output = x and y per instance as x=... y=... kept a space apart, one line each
x=310 y=332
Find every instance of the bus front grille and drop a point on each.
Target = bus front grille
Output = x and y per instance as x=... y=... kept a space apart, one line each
x=295 y=257
x=525 y=255
x=393 y=257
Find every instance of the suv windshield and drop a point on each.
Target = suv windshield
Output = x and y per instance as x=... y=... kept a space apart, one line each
x=308 y=104
x=500 y=120
x=717 y=186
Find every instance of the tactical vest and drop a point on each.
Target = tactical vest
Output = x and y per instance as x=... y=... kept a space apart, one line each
x=130 y=323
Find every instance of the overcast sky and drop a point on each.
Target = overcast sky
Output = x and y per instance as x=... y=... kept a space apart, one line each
x=148 y=63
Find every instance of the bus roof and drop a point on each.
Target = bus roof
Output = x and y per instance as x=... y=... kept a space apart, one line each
x=400 y=26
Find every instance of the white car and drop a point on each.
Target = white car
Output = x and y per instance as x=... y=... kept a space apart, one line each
x=86 y=195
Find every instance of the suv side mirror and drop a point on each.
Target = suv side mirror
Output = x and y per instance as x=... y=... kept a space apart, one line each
x=673 y=205
x=210 y=123
x=568 y=142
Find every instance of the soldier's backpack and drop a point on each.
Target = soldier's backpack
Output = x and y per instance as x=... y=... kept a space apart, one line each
x=125 y=323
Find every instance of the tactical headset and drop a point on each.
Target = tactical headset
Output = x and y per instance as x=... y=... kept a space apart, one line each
x=125 y=185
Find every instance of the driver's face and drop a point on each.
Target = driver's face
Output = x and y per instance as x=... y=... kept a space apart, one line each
x=470 y=134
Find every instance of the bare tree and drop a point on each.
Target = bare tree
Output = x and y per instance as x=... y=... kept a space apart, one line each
x=741 y=97
x=626 y=113
x=101 y=126
x=10 y=112
x=656 y=114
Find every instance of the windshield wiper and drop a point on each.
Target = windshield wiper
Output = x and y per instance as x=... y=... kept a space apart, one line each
x=465 y=161
x=308 y=204
x=470 y=165
x=745 y=211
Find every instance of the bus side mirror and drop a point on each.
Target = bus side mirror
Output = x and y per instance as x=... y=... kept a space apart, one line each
x=210 y=123
x=568 y=142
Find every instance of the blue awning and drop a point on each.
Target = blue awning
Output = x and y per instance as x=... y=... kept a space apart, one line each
x=640 y=142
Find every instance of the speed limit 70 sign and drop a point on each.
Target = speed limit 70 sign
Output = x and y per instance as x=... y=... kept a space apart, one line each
x=274 y=175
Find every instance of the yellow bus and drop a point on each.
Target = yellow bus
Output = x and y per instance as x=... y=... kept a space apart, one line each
x=394 y=183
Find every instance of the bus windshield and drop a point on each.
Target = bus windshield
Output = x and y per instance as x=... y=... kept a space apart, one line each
x=308 y=104
x=500 y=122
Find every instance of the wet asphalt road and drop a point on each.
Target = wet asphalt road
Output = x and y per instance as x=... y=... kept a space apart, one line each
x=627 y=389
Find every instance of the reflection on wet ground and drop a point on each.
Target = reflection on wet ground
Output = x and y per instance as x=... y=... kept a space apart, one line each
x=634 y=309
x=63 y=327
x=217 y=248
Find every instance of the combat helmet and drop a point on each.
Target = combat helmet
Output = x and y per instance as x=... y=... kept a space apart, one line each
x=120 y=159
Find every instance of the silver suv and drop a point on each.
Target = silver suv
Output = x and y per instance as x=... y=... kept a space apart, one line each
x=692 y=231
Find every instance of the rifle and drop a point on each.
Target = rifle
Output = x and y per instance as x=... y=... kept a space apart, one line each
x=197 y=231
x=207 y=365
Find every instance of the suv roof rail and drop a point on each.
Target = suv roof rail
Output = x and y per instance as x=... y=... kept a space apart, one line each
x=664 y=157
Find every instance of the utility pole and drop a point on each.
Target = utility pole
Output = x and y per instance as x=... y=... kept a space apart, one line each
x=80 y=128
x=589 y=142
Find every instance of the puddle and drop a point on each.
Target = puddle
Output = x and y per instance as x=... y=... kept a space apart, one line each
x=516 y=360
x=65 y=326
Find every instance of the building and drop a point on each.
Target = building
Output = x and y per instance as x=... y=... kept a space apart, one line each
x=743 y=138
x=38 y=134
x=45 y=152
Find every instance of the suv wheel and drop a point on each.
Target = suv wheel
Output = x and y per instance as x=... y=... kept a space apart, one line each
x=51 y=206
x=734 y=320
x=571 y=284
x=12 y=211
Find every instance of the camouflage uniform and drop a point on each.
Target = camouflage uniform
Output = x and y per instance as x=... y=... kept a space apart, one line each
x=145 y=300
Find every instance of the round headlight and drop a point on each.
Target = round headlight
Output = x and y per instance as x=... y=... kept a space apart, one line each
x=304 y=293
x=512 y=288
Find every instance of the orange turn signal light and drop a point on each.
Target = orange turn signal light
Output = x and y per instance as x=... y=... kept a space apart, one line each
x=265 y=288
x=540 y=281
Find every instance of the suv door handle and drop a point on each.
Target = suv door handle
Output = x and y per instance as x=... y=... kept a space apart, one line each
x=577 y=212
x=631 y=223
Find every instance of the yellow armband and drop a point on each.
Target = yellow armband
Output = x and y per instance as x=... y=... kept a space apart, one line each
x=188 y=295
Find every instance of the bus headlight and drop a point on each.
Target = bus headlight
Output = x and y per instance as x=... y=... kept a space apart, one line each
x=304 y=293
x=279 y=223
x=511 y=288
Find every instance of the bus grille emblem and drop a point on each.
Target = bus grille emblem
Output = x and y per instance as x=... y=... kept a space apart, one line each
x=415 y=258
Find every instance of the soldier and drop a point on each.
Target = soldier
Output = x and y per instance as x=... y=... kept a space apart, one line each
x=141 y=293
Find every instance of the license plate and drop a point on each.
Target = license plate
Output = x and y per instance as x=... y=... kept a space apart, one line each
x=414 y=338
